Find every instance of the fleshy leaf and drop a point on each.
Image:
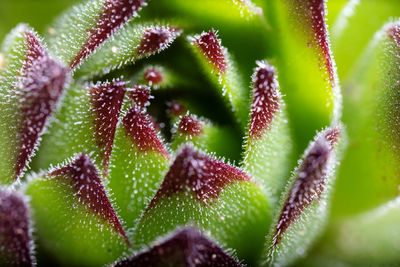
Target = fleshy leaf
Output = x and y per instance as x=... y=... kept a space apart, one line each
x=306 y=66
x=138 y=165
x=184 y=248
x=16 y=244
x=83 y=28
x=268 y=142
x=351 y=22
x=132 y=43
x=304 y=204
x=30 y=88
x=367 y=238
x=372 y=114
x=205 y=136
x=217 y=197
x=208 y=12
x=73 y=213
x=222 y=70
x=86 y=122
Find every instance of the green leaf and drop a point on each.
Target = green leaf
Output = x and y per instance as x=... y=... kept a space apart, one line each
x=134 y=42
x=86 y=122
x=138 y=164
x=371 y=112
x=72 y=214
x=83 y=28
x=222 y=71
x=305 y=202
x=348 y=50
x=218 y=198
x=268 y=143
x=306 y=67
x=208 y=12
x=370 y=237
x=31 y=86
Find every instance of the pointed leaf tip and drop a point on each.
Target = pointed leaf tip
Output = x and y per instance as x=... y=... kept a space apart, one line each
x=140 y=95
x=16 y=248
x=310 y=182
x=176 y=108
x=115 y=13
x=185 y=248
x=156 y=39
x=86 y=182
x=200 y=174
x=266 y=98
x=140 y=128
x=106 y=100
x=190 y=125
x=210 y=45
x=394 y=32
x=40 y=87
x=153 y=75
x=318 y=24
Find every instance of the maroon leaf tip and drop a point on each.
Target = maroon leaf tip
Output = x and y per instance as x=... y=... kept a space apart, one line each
x=332 y=135
x=200 y=174
x=394 y=32
x=114 y=15
x=156 y=39
x=211 y=47
x=85 y=181
x=140 y=95
x=311 y=13
x=310 y=182
x=40 y=88
x=186 y=248
x=175 y=108
x=318 y=24
x=153 y=75
x=106 y=100
x=140 y=128
x=266 y=99
x=15 y=233
x=190 y=125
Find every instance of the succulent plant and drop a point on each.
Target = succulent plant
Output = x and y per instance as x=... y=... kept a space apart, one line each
x=202 y=133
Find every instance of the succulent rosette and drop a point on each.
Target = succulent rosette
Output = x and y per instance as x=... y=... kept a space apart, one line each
x=220 y=133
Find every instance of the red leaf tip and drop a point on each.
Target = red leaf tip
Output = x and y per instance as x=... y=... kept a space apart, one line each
x=187 y=247
x=40 y=88
x=156 y=39
x=190 y=125
x=115 y=14
x=266 y=98
x=106 y=100
x=204 y=176
x=140 y=95
x=175 y=108
x=211 y=47
x=310 y=182
x=153 y=75
x=394 y=32
x=83 y=176
x=15 y=233
x=140 y=128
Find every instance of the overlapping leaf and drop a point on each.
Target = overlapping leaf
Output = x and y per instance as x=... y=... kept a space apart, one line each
x=129 y=45
x=216 y=197
x=83 y=28
x=31 y=85
x=73 y=213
